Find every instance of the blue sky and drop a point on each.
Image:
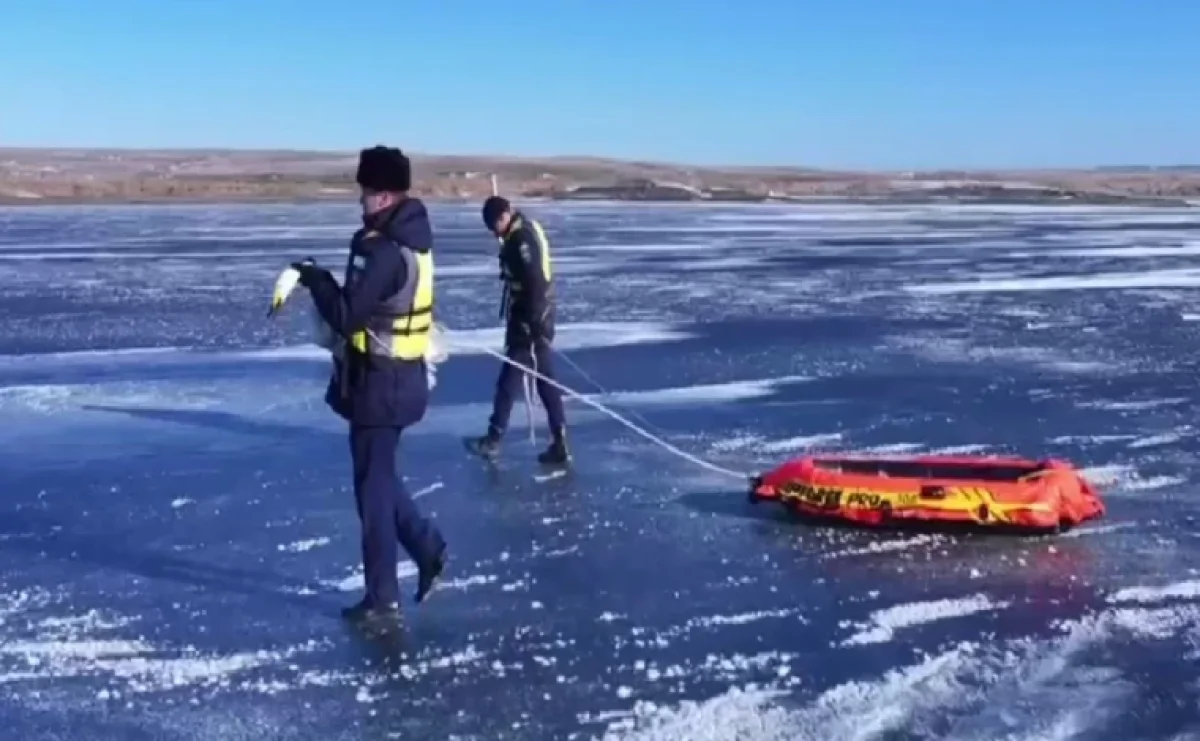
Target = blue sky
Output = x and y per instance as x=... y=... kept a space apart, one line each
x=832 y=83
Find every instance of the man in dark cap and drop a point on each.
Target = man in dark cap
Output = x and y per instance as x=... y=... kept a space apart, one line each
x=528 y=309
x=383 y=315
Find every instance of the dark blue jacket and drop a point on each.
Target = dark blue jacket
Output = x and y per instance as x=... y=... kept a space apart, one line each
x=529 y=301
x=372 y=391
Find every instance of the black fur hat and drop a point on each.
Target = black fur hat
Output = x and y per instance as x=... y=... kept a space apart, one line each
x=383 y=168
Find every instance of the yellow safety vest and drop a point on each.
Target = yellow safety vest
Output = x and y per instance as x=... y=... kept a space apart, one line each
x=402 y=329
x=544 y=247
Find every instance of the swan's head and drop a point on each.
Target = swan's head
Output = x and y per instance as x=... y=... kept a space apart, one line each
x=284 y=285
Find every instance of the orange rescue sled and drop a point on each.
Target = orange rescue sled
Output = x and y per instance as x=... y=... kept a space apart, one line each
x=1013 y=494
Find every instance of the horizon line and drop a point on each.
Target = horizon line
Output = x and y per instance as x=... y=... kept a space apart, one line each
x=576 y=157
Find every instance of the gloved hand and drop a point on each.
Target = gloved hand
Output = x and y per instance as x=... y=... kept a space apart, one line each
x=535 y=332
x=309 y=272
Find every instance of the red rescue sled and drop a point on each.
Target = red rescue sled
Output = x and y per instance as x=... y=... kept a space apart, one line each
x=1014 y=494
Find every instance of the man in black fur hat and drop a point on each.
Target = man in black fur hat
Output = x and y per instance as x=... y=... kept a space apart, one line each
x=383 y=315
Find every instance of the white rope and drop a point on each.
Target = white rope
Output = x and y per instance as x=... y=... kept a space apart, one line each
x=527 y=383
x=596 y=385
x=739 y=475
x=533 y=372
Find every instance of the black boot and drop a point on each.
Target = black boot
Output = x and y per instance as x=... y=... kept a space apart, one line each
x=427 y=574
x=487 y=446
x=558 y=454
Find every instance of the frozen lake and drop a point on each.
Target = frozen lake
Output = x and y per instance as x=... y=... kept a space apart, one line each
x=177 y=532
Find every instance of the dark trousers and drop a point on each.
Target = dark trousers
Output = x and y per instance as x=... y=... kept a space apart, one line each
x=388 y=514
x=508 y=386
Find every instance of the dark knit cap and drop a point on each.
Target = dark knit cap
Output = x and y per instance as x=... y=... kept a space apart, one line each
x=493 y=207
x=383 y=168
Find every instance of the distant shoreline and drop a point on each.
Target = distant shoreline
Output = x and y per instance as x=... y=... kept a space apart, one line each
x=351 y=200
x=79 y=177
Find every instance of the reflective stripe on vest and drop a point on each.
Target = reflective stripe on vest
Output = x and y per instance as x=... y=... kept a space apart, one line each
x=402 y=329
x=544 y=243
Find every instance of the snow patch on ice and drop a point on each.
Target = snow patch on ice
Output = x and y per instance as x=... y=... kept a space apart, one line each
x=1133 y=406
x=1077 y=439
x=355 y=581
x=972 y=692
x=1083 y=532
x=890 y=546
x=1119 y=478
x=760 y=444
x=1151 y=483
x=892 y=448
x=97 y=650
x=961 y=351
x=80 y=646
x=883 y=624
x=731 y=444
x=300 y=546
x=969 y=449
x=71 y=398
x=1150 y=595
x=406 y=570
x=1180 y=278
x=575 y=336
x=1154 y=441
x=720 y=621
x=427 y=490
x=739 y=714
x=715 y=392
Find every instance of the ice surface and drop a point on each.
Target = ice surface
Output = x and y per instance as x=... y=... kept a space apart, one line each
x=1020 y=688
x=177 y=519
x=1181 y=278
